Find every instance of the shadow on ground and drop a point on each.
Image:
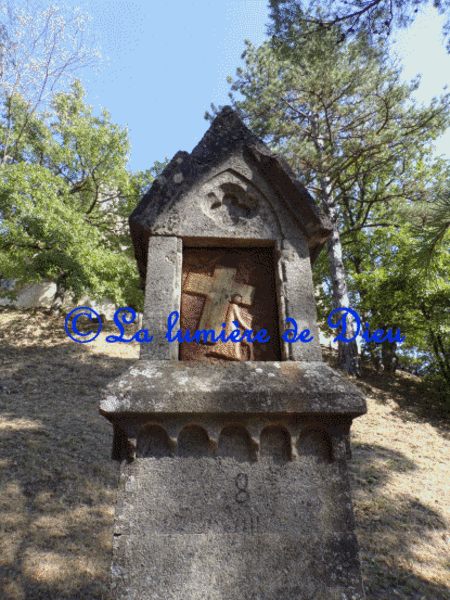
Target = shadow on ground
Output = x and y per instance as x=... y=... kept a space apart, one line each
x=393 y=533
x=57 y=479
x=416 y=400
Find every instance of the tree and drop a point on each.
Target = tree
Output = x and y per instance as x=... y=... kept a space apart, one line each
x=65 y=200
x=376 y=18
x=42 y=49
x=347 y=124
x=419 y=305
x=432 y=223
x=391 y=289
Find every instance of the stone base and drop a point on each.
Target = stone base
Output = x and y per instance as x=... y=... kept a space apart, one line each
x=229 y=529
x=234 y=482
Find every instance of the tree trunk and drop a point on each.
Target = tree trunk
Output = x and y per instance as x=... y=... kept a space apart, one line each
x=372 y=348
x=348 y=357
x=390 y=359
x=388 y=352
x=375 y=357
x=58 y=298
x=441 y=352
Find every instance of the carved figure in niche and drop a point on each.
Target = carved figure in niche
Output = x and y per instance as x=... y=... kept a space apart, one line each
x=234 y=350
x=211 y=280
x=217 y=291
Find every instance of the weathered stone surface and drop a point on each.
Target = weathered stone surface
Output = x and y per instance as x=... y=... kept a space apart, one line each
x=162 y=296
x=233 y=387
x=228 y=528
x=296 y=300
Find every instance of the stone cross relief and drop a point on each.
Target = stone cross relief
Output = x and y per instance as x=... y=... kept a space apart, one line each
x=223 y=296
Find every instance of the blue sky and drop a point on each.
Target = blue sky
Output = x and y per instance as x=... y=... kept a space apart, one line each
x=170 y=60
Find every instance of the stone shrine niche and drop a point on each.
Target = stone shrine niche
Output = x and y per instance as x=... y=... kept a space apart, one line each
x=153 y=442
x=275 y=444
x=233 y=476
x=240 y=202
x=193 y=441
x=225 y=286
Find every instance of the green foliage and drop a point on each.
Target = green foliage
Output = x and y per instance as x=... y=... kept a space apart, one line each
x=395 y=289
x=346 y=122
x=391 y=290
x=43 y=46
x=340 y=112
x=65 y=199
x=432 y=224
x=348 y=18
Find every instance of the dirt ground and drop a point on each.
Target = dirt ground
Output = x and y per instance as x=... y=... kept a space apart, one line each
x=58 y=482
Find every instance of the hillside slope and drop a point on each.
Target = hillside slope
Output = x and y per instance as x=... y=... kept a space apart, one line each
x=58 y=483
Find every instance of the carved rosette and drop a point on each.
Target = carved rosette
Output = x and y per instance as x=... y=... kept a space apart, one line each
x=229 y=199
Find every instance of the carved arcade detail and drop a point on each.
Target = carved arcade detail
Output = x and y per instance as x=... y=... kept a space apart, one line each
x=275 y=443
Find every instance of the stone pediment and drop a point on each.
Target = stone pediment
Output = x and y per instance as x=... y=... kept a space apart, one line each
x=230 y=184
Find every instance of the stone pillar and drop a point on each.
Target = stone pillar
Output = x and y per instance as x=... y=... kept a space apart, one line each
x=162 y=295
x=238 y=485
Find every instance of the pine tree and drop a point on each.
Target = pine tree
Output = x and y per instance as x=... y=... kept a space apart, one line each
x=346 y=123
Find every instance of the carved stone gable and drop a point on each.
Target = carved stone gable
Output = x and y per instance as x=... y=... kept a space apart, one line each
x=229 y=198
x=231 y=186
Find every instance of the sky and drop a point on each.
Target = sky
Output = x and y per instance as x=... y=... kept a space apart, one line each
x=169 y=60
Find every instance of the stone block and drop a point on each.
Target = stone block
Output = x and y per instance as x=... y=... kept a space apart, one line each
x=162 y=296
x=233 y=522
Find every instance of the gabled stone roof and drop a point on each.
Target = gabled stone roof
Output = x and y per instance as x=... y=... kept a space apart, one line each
x=227 y=135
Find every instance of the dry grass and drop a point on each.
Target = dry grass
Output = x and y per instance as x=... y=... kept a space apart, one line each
x=58 y=482
x=401 y=490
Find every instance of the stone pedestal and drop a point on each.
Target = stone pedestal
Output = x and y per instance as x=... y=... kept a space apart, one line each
x=234 y=482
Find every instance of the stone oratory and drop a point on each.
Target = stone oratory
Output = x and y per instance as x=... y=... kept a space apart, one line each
x=233 y=475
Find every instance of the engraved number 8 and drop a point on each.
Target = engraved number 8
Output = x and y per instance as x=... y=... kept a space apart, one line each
x=241 y=482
